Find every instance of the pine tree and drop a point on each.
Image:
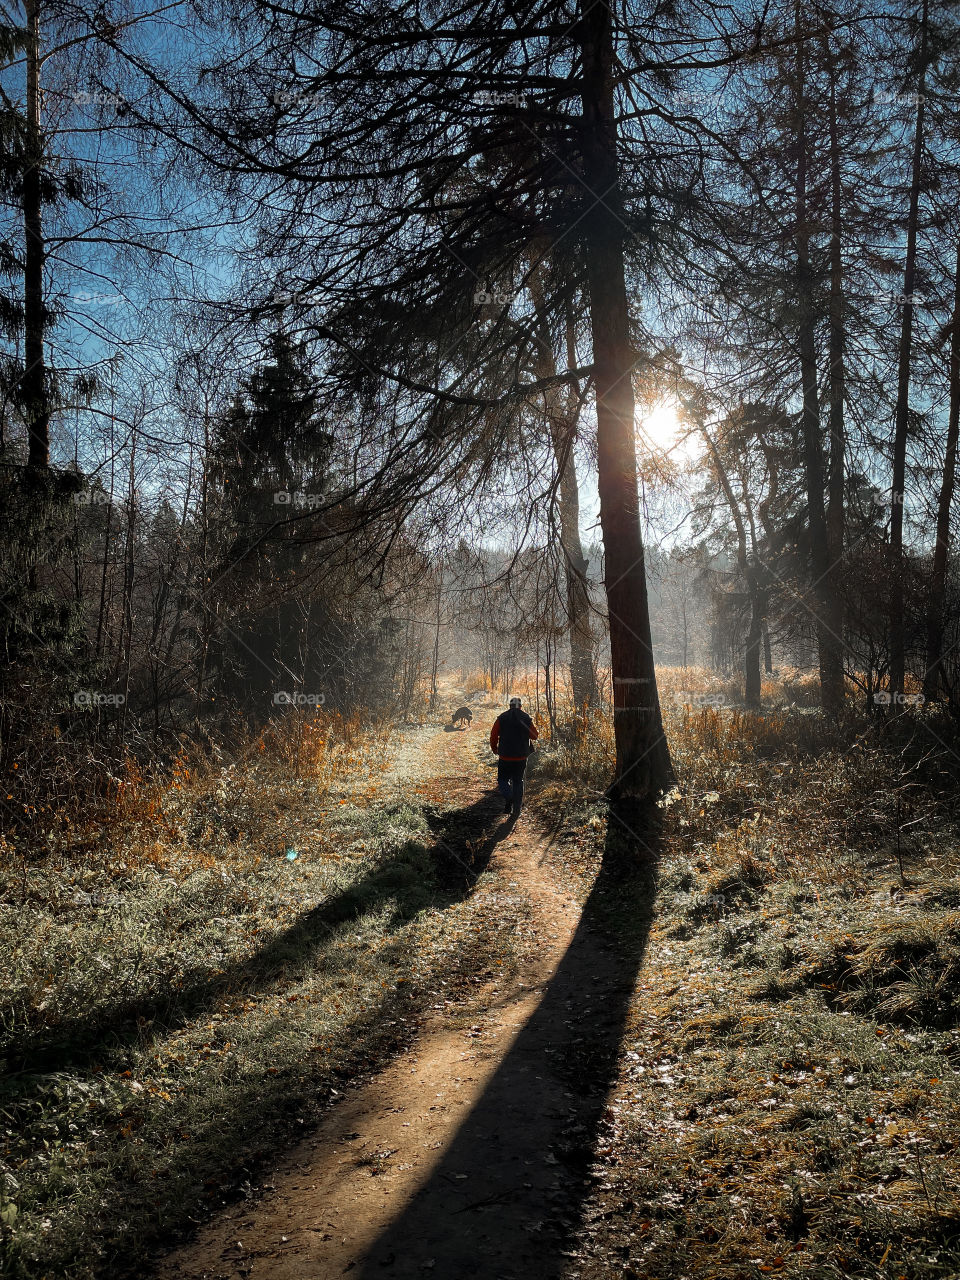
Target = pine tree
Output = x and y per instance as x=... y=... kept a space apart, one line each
x=268 y=470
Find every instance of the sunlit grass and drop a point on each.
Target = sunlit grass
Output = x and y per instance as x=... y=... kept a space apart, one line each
x=186 y=993
x=789 y=1102
x=236 y=938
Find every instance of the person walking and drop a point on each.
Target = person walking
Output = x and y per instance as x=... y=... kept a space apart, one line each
x=510 y=738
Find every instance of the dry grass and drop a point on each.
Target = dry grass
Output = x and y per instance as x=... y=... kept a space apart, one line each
x=192 y=983
x=474 y=682
x=789 y=1101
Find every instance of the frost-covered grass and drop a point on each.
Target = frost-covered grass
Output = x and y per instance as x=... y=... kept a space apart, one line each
x=183 y=997
x=186 y=995
x=789 y=1100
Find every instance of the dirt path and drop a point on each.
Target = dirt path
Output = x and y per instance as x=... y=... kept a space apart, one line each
x=460 y=1158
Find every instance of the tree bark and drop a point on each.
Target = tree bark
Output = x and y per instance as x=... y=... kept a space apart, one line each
x=751 y=657
x=436 y=639
x=582 y=676
x=833 y=697
x=129 y=580
x=829 y=645
x=643 y=766
x=100 y=644
x=750 y=571
x=902 y=412
x=562 y=413
x=938 y=583
x=33 y=385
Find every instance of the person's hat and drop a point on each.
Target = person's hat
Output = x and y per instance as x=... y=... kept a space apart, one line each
x=515 y=702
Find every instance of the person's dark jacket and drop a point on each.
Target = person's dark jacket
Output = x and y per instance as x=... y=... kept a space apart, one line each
x=511 y=734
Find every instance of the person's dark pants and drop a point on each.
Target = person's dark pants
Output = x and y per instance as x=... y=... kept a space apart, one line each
x=510 y=781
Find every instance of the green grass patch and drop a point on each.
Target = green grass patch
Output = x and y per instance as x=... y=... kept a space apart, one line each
x=166 y=1031
x=788 y=1100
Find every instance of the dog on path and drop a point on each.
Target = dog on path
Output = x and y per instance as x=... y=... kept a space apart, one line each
x=462 y=715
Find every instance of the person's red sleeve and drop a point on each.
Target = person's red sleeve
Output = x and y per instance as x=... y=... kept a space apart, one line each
x=495 y=734
x=533 y=730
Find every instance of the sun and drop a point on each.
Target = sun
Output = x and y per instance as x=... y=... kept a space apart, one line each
x=658 y=426
x=659 y=430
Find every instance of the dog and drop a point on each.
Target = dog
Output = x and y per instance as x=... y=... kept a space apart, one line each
x=462 y=714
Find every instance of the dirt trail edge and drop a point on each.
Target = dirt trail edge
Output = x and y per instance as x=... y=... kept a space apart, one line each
x=468 y=1155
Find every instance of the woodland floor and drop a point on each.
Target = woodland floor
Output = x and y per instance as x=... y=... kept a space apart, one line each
x=733 y=1103
x=445 y=1162
x=456 y=1045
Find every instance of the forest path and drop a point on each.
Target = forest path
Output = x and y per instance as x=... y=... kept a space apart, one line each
x=465 y=1156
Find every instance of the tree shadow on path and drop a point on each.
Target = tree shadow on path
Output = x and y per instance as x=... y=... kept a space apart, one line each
x=504 y=1201
x=461 y=845
x=435 y=871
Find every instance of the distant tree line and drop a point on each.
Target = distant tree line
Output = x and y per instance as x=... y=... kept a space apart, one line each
x=395 y=286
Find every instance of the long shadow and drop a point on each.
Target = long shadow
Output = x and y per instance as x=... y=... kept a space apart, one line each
x=418 y=875
x=506 y=1197
x=466 y=838
x=263 y=1117
x=545 y=1101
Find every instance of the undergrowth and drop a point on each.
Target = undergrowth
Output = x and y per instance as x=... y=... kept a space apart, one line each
x=199 y=964
x=187 y=991
x=788 y=1101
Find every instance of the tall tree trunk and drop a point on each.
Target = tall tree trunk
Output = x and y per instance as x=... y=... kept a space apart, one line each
x=435 y=666
x=583 y=676
x=750 y=572
x=751 y=657
x=643 y=764
x=562 y=411
x=33 y=385
x=829 y=645
x=547 y=664
x=767 y=653
x=207 y=621
x=902 y=412
x=837 y=392
x=100 y=644
x=129 y=578
x=938 y=582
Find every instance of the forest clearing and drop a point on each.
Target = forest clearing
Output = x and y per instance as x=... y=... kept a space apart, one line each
x=438 y=1041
